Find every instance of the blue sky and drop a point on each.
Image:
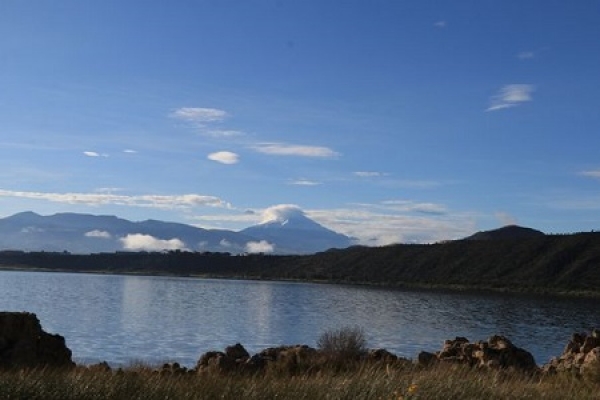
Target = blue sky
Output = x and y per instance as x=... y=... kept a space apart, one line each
x=390 y=121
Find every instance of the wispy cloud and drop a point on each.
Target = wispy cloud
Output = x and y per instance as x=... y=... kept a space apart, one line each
x=129 y=151
x=222 y=133
x=98 y=199
x=412 y=206
x=591 y=173
x=505 y=218
x=304 y=182
x=282 y=149
x=368 y=174
x=511 y=96
x=378 y=225
x=98 y=234
x=580 y=203
x=526 y=55
x=199 y=114
x=94 y=154
x=440 y=24
x=224 y=157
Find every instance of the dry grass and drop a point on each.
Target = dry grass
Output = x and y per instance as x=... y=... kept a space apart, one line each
x=366 y=381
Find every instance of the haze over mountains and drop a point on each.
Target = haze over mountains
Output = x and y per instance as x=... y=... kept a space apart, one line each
x=291 y=233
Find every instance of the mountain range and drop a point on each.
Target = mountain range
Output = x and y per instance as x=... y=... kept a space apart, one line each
x=85 y=234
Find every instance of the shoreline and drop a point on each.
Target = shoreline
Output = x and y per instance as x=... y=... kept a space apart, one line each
x=539 y=291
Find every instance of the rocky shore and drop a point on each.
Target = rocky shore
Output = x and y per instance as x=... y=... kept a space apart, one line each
x=25 y=345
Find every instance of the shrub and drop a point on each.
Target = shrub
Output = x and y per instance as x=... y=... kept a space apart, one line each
x=346 y=343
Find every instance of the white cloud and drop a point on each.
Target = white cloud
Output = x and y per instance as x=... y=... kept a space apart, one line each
x=97 y=199
x=281 y=213
x=591 y=174
x=224 y=157
x=225 y=243
x=130 y=151
x=281 y=149
x=98 y=234
x=372 y=224
x=199 y=114
x=94 y=154
x=138 y=241
x=368 y=174
x=440 y=24
x=304 y=182
x=511 y=96
x=260 y=247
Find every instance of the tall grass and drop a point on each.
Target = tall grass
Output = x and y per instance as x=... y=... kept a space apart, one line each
x=368 y=381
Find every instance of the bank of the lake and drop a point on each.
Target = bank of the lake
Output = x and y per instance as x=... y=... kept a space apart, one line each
x=551 y=264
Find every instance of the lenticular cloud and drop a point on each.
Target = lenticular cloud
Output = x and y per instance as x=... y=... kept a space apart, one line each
x=282 y=212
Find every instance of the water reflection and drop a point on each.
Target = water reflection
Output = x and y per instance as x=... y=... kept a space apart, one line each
x=125 y=318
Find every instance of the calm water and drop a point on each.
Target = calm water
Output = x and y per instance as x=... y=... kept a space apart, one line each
x=125 y=318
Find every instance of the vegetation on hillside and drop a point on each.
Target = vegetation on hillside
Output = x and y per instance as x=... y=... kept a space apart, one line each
x=554 y=263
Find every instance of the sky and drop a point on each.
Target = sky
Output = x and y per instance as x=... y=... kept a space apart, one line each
x=389 y=121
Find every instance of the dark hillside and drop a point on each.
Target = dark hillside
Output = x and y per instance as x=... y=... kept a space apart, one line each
x=550 y=263
x=507 y=233
x=570 y=262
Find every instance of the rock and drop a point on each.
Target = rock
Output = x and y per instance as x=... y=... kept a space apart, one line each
x=234 y=358
x=381 y=355
x=100 y=367
x=296 y=353
x=24 y=344
x=237 y=352
x=425 y=358
x=497 y=352
x=214 y=361
x=172 y=369
x=589 y=343
x=590 y=368
x=581 y=354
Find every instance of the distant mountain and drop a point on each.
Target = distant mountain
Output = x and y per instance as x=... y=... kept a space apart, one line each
x=507 y=233
x=85 y=233
x=298 y=232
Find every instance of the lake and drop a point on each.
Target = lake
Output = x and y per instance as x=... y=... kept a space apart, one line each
x=121 y=319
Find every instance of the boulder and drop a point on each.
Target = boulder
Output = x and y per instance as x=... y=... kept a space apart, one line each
x=24 y=344
x=581 y=354
x=237 y=352
x=236 y=359
x=425 y=358
x=381 y=355
x=214 y=361
x=173 y=368
x=497 y=352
